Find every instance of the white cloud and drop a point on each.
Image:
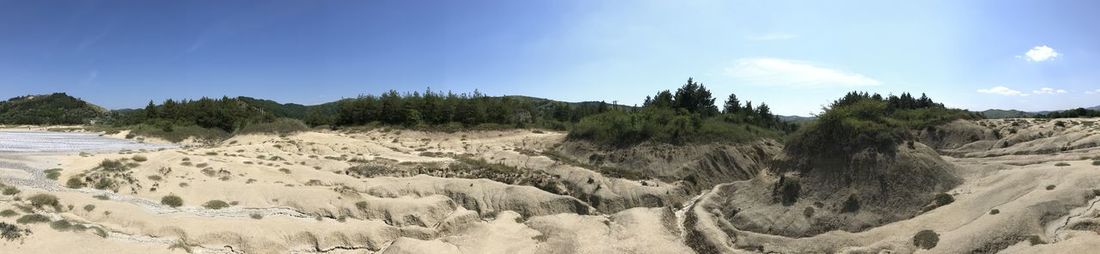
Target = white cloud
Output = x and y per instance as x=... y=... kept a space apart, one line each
x=1048 y=90
x=1041 y=53
x=791 y=73
x=1000 y=90
x=1094 y=91
x=772 y=37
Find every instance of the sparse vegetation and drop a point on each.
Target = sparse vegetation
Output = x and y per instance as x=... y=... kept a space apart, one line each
x=1061 y=164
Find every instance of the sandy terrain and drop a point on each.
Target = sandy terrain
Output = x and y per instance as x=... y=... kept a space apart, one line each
x=503 y=192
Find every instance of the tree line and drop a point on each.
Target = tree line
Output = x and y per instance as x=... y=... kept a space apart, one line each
x=432 y=108
x=687 y=115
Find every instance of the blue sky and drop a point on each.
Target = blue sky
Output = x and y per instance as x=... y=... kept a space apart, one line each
x=794 y=55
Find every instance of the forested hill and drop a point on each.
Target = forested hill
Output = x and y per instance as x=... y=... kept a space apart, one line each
x=52 y=109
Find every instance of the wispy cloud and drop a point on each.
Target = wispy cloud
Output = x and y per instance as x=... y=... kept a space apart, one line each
x=1094 y=91
x=1048 y=90
x=92 y=75
x=1001 y=90
x=771 y=37
x=1041 y=53
x=91 y=41
x=793 y=73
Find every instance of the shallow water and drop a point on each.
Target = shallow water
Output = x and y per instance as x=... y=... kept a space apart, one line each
x=43 y=141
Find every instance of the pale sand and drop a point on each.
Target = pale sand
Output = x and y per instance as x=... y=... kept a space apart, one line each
x=316 y=207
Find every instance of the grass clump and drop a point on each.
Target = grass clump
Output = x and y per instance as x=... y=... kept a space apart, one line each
x=10 y=190
x=256 y=216
x=8 y=213
x=1061 y=164
x=53 y=173
x=215 y=204
x=139 y=158
x=32 y=218
x=61 y=225
x=40 y=200
x=926 y=239
x=1096 y=162
x=172 y=201
x=89 y=208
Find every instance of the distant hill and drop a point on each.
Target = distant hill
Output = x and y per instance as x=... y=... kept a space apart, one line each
x=796 y=119
x=57 y=108
x=1012 y=113
x=288 y=110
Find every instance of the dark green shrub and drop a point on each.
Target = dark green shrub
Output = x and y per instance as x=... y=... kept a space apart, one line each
x=994 y=212
x=926 y=239
x=40 y=200
x=11 y=232
x=851 y=205
x=139 y=158
x=789 y=189
x=172 y=201
x=74 y=183
x=1061 y=164
x=215 y=204
x=943 y=199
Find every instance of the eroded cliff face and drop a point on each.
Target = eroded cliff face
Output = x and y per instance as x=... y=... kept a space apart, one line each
x=699 y=167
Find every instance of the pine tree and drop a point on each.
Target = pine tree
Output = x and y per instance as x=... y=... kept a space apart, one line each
x=732 y=105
